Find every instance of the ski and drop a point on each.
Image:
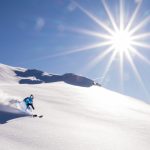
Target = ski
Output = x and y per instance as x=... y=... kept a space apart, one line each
x=35 y=115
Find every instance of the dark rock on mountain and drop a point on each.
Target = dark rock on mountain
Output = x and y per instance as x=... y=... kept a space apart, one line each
x=40 y=77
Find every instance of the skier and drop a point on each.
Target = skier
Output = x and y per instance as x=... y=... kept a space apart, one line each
x=29 y=102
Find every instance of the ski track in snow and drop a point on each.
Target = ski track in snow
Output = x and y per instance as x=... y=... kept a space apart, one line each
x=75 y=118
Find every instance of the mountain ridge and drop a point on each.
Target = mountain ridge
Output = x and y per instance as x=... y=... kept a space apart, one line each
x=34 y=76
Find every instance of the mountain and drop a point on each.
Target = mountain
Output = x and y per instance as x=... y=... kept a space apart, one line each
x=33 y=76
x=75 y=117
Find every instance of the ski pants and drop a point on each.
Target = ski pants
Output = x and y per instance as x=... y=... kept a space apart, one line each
x=30 y=105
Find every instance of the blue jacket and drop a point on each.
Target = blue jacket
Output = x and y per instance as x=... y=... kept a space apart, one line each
x=28 y=100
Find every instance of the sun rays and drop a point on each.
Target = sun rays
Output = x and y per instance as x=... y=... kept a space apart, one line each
x=122 y=40
x=118 y=40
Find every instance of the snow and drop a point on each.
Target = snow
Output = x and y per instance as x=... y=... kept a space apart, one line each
x=7 y=75
x=75 y=118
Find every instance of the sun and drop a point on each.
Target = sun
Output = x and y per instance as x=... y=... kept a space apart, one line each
x=121 y=41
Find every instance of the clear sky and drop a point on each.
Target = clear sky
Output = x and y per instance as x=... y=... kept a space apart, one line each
x=60 y=36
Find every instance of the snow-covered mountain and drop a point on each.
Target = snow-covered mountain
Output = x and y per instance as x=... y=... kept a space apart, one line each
x=75 y=117
x=10 y=74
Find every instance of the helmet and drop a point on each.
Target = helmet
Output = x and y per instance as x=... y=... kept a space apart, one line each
x=32 y=96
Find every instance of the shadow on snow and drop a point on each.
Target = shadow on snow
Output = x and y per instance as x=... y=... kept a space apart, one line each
x=7 y=113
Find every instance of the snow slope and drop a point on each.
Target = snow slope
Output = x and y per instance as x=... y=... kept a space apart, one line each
x=75 y=118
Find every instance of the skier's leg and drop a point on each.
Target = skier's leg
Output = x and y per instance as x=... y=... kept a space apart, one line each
x=32 y=106
x=28 y=106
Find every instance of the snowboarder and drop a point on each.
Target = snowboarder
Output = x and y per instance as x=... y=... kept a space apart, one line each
x=29 y=101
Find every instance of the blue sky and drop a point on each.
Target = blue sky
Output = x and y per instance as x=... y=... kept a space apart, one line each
x=44 y=34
